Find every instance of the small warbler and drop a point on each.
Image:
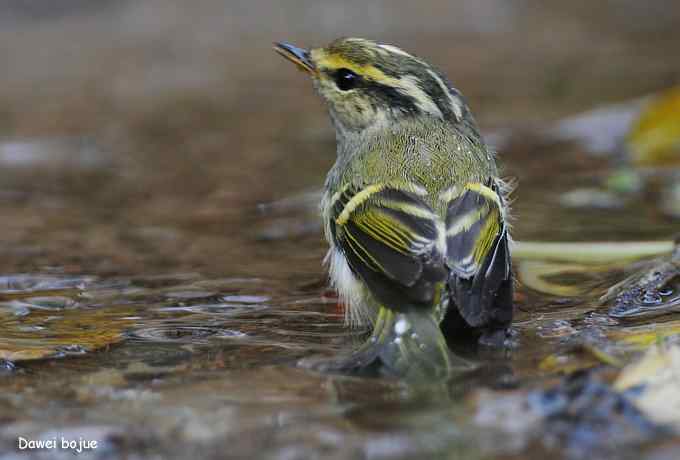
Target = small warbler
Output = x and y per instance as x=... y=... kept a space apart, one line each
x=413 y=208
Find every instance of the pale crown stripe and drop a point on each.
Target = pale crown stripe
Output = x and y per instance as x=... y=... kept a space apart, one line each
x=454 y=102
x=409 y=85
x=394 y=49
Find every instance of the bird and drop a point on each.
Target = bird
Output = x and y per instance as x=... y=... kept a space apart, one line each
x=414 y=211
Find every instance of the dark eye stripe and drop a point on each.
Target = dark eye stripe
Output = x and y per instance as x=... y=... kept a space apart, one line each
x=393 y=98
x=384 y=94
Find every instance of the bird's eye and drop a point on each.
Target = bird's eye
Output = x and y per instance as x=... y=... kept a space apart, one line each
x=346 y=79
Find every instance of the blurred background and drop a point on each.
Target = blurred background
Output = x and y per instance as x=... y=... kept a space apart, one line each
x=126 y=121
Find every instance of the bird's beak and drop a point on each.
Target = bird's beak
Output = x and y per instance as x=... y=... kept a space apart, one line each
x=297 y=56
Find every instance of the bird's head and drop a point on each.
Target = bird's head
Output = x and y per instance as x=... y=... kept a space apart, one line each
x=372 y=85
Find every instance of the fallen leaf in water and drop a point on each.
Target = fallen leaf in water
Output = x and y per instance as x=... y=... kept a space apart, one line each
x=654 y=139
x=600 y=252
x=657 y=359
x=641 y=337
x=582 y=356
x=565 y=363
x=560 y=279
x=658 y=373
x=44 y=333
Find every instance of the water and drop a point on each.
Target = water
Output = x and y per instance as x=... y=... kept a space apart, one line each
x=146 y=357
x=153 y=299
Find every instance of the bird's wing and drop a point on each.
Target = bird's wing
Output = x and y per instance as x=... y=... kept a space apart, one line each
x=389 y=237
x=478 y=255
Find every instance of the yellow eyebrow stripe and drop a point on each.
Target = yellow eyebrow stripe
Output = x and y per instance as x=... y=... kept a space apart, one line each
x=407 y=84
x=335 y=61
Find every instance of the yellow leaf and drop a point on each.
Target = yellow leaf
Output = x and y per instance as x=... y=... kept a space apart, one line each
x=44 y=333
x=659 y=373
x=641 y=337
x=654 y=139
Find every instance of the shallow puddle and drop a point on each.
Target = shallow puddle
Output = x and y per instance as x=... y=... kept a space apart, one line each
x=161 y=259
x=179 y=364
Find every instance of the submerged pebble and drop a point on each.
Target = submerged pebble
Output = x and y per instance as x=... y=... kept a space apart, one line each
x=582 y=416
x=6 y=367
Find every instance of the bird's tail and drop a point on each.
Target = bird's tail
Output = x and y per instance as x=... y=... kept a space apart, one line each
x=404 y=344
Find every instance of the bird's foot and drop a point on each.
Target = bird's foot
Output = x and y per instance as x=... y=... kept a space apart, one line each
x=505 y=338
x=363 y=362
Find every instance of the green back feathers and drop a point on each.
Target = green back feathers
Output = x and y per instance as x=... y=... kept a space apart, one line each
x=415 y=153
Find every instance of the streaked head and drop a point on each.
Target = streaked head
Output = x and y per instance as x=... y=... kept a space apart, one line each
x=369 y=84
